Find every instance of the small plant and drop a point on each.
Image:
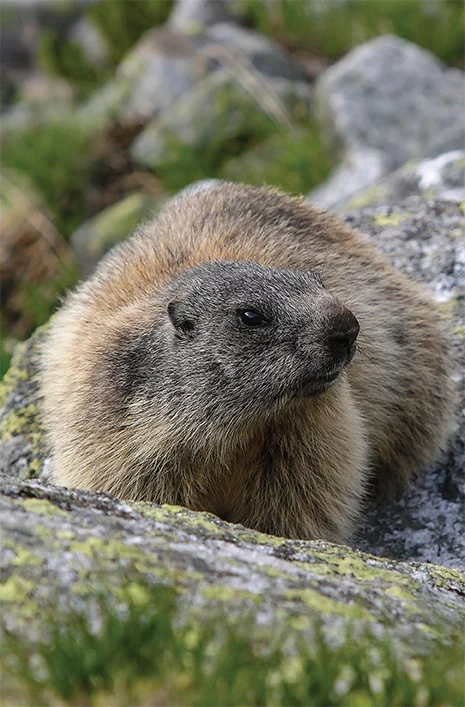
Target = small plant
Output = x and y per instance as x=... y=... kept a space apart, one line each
x=57 y=158
x=143 y=653
x=294 y=162
x=123 y=23
x=66 y=59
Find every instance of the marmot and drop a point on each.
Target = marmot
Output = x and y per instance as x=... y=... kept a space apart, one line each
x=209 y=362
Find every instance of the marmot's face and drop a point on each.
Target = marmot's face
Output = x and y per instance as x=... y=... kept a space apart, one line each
x=246 y=337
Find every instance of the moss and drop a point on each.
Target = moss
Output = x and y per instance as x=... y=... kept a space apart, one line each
x=229 y=594
x=391 y=219
x=460 y=331
x=43 y=507
x=445 y=575
x=325 y=605
x=28 y=559
x=345 y=561
x=12 y=379
x=369 y=197
x=16 y=589
x=20 y=422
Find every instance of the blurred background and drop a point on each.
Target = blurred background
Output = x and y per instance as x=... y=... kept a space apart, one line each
x=111 y=106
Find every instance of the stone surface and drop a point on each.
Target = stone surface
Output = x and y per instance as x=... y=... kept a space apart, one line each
x=62 y=548
x=190 y=15
x=219 y=108
x=112 y=225
x=87 y=35
x=358 y=170
x=160 y=68
x=393 y=96
x=165 y=65
x=424 y=235
x=416 y=216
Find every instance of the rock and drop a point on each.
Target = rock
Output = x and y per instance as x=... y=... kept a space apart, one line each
x=63 y=548
x=200 y=120
x=191 y=15
x=360 y=168
x=88 y=36
x=165 y=65
x=441 y=178
x=112 y=225
x=237 y=45
x=158 y=70
x=424 y=236
x=393 y=96
x=22 y=445
x=416 y=217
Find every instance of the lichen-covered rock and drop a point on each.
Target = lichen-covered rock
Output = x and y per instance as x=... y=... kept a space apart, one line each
x=62 y=548
x=22 y=448
x=418 y=220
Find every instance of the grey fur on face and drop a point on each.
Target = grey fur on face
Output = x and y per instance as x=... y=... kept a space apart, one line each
x=210 y=355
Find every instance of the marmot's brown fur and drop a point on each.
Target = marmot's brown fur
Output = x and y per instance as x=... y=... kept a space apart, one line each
x=207 y=363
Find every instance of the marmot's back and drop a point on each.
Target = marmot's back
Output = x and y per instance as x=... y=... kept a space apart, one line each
x=117 y=385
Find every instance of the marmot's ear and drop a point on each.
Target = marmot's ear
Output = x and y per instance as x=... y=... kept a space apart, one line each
x=182 y=319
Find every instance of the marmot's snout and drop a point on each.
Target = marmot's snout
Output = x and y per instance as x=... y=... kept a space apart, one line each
x=343 y=331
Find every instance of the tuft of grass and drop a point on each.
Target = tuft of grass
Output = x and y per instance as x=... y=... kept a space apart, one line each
x=120 y=23
x=333 y=28
x=293 y=162
x=144 y=653
x=57 y=159
x=123 y=23
x=66 y=59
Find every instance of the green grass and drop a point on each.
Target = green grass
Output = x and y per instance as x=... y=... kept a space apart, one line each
x=57 y=158
x=143 y=654
x=332 y=29
x=294 y=162
x=66 y=59
x=120 y=22
x=123 y=23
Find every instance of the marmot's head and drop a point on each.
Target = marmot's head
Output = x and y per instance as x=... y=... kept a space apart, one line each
x=241 y=339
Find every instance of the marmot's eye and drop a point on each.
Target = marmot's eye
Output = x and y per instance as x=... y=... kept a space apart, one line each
x=251 y=318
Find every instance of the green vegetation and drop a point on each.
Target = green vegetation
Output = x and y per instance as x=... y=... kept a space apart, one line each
x=333 y=28
x=293 y=161
x=57 y=159
x=143 y=654
x=66 y=59
x=120 y=24
x=123 y=23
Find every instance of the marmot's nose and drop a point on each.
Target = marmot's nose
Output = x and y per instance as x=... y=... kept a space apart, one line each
x=344 y=331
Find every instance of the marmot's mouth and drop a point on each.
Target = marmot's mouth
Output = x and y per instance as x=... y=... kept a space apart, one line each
x=319 y=384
